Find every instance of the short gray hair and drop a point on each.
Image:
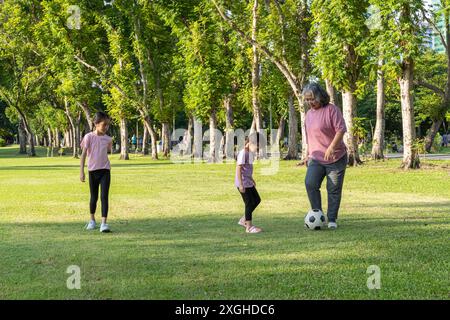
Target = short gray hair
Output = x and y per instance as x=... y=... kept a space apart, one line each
x=318 y=92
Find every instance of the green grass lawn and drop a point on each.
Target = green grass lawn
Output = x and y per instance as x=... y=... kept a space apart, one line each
x=175 y=233
x=444 y=150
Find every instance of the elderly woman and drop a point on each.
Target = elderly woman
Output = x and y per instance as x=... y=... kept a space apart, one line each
x=327 y=154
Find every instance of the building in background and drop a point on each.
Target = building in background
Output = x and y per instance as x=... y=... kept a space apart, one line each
x=436 y=41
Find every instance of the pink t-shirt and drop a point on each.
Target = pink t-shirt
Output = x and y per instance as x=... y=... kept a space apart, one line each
x=321 y=127
x=245 y=159
x=97 y=151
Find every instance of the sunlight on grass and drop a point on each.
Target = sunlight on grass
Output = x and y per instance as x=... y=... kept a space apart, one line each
x=175 y=233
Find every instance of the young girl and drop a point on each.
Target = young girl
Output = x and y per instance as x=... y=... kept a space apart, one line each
x=246 y=184
x=96 y=146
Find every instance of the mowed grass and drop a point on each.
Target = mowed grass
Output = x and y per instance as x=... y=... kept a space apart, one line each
x=175 y=233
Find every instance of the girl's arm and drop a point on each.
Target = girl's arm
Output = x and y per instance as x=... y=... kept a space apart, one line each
x=82 y=162
x=239 y=174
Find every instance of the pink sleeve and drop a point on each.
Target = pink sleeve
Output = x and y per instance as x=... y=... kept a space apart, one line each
x=85 y=142
x=240 y=158
x=338 y=120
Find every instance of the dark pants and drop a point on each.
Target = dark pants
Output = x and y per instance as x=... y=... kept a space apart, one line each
x=96 y=178
x=334 y=172
x=252 y=200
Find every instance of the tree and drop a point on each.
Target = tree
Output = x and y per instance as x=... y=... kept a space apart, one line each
x=295 y=64
x=377 y=24
x=341 y=53
x=401 y=44
x=20 y=61
x=440 y=88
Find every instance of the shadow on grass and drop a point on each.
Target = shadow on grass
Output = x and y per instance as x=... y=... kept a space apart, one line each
x=205 y=233
x=211 y=257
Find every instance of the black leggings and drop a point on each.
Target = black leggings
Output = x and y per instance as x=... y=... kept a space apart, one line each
x=96 y=178
x=252 y=200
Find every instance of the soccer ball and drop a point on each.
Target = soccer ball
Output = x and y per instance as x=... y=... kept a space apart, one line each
x=314 y=220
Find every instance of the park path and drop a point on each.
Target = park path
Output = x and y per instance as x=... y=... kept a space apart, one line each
x=428 y=156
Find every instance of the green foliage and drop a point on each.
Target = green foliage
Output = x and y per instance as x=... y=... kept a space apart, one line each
x=190 y=60
x=437 y=142
x=418 y=146
x=343 y=40
x=359 y=129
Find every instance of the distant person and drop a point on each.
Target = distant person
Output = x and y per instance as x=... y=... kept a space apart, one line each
x=445 y=140
x=134 y=141
x=394 y=147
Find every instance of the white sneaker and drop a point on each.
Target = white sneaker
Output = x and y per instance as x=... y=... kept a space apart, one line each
x=332 y=225
x=104 y=228
x=91 y=225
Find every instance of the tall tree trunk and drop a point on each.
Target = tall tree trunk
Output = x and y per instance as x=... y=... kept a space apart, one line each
x=74 y=136
x=31 y=143
x=229 y=128
x=435 y=126
x=50 y=143
x=57 y=138
x=303 y=128
x=144 y=108
x=189 y=136
x=214 y=144
x=165 y=132
x=256 y=77
x=29 y=133
x=30 y=137
x=332 y=93
x=293 y=131
x=378 y=136
x=22 y=137
x=144 y=141
x=78 y=136
x=87 y=114
x=280 y=133
x=123 y=139
x=68 y=137
x=349 y=112
x=410 y=156
x=153 y=137
x=198 y=139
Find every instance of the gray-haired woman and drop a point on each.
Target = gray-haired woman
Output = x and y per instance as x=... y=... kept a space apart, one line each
x=327 y=154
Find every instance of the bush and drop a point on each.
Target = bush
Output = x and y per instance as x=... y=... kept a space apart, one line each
x=436 y=146
x=419 y=146
x=6 y=137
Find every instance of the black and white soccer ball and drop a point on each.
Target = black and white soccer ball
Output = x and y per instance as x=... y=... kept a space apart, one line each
x=314 y=220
